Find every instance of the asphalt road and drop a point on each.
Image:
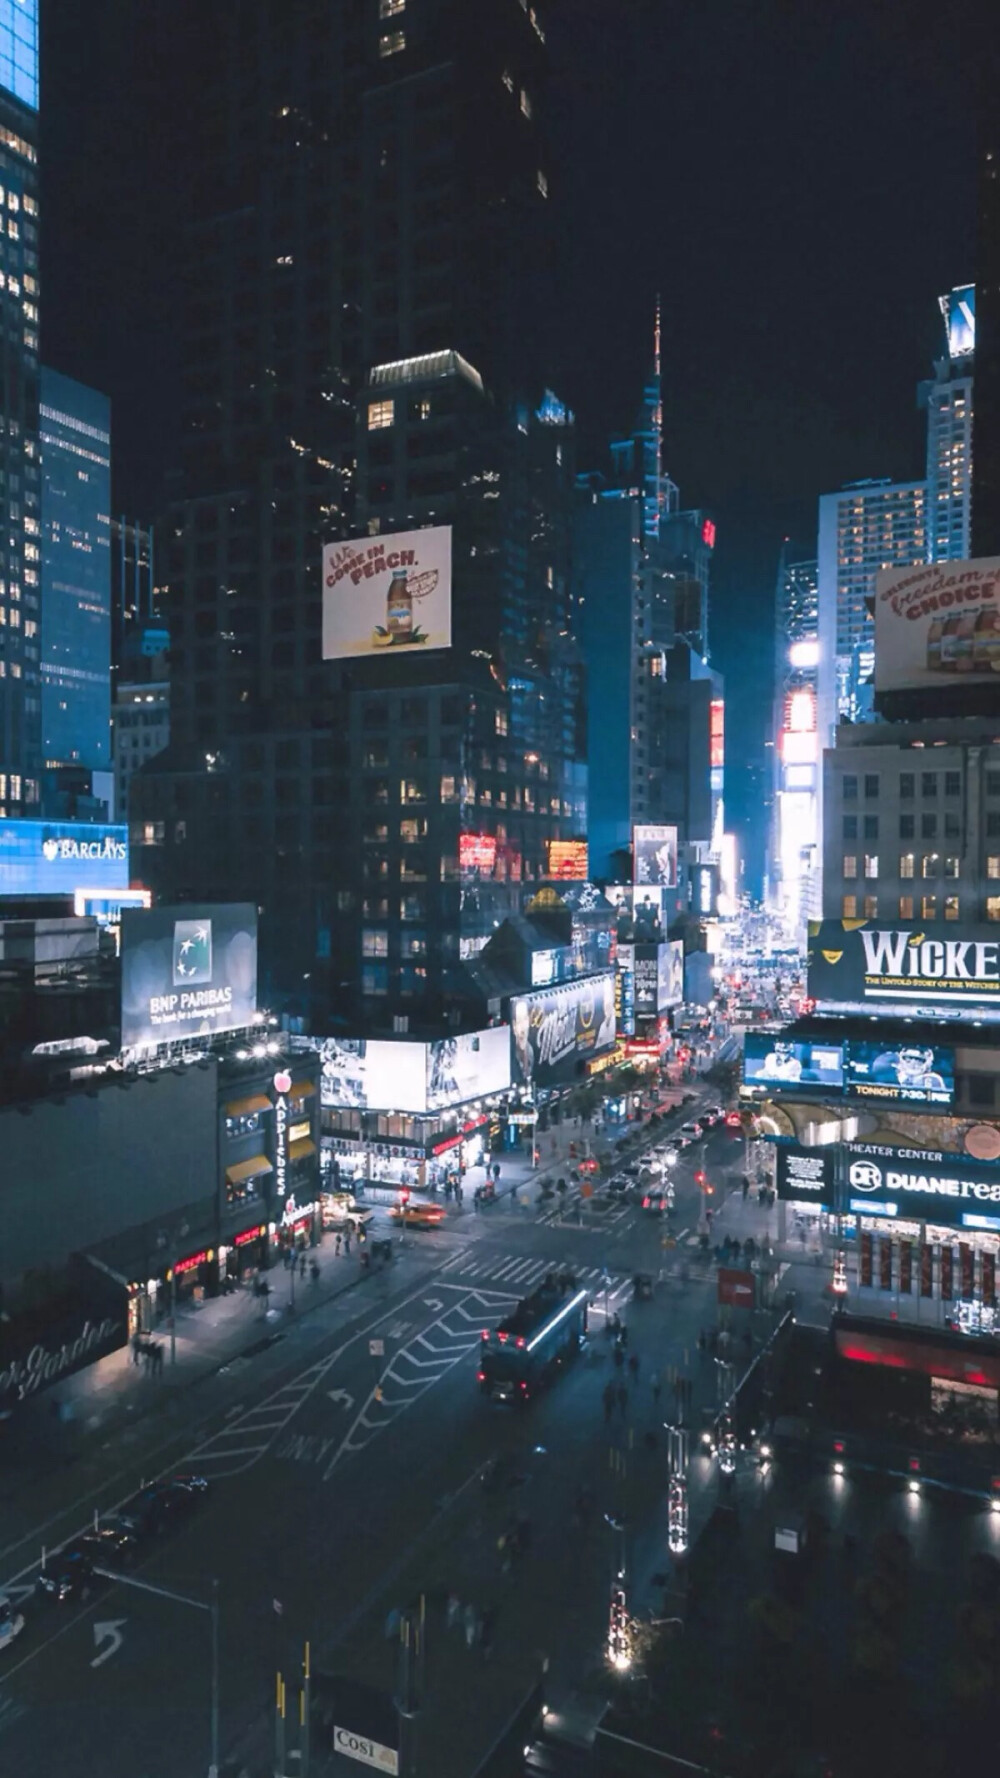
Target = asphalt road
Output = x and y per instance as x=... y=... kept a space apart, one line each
x=345 y=1482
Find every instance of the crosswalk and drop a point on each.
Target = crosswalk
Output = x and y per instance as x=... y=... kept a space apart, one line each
x=520 y=1275
x=248 y=1434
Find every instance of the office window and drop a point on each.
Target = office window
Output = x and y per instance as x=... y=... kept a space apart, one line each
x=928 y=783
x=928 y=907
x=993 y=823
x=952 y=867
x=850 y=865
x=391 y=43
x=871 y=907
x=906 y=863
x=412 y=790
x=850 y=827
x=375 y=756
x=849 y=907
x=374 y=944
x=929 y=864
x=907 y=827
x=993 y=865
x=449 y=793
x=871 y=827
x=906 y=907
x=850 y=790
x=993 y=907
x=414 y=944
x=871 y=784
x=375 y=979
x=871 y=864
x=953 y=784
x=906 y=785
x=952 y=825
x=951 y=907
x=993 y=783
x=928 y=826
x=380 y=415
x=387 y=9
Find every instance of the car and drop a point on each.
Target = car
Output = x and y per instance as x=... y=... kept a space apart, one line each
x=110 y=1543
x=160 y=1505
x=711 y=1115
x=618 y=1184
x=734 y=1120
x=631 y=1168
x=69 y=1574
x=11 y=1622
x=690 y=1132
x=417 y=1216
x=657 y=1202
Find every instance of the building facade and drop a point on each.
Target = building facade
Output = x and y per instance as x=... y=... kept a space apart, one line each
x=865 y=527
x=949 y=402
x=20 y=555
x=75 y=435
x=795 y=842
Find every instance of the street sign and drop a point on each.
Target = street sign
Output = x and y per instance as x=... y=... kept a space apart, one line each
x=111 y=1634
x=586 y=1189
x=377 y=1348
x=363 y=1748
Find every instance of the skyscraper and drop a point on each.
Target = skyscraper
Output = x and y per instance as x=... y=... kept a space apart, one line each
x=366 y=348
x=867 y=526
x=795 y=839
x=20 y=695
x=75 y=435
x=949 y=402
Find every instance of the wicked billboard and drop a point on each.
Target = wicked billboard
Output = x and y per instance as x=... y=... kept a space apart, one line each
x=891 y=969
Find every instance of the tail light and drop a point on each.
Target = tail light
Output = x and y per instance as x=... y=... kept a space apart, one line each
x=484 y=1336
x=645 y=1203
x=521 y=1342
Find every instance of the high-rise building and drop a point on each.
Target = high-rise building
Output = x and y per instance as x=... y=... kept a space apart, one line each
x=986 y=453
x=865 y=527
x=366 y=348
x=75 y=435
x=138 y=626
x=20 y=543
x=949 y=402
x=795 y=838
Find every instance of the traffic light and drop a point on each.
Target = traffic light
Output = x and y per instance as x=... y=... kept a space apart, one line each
x=700 y=1178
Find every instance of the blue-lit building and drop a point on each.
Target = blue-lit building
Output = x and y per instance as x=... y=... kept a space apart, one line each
x=75 y=435
x=20 y=492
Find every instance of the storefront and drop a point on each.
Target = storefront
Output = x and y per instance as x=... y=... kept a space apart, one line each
x=246 y=1252
x=83 y=1318
x=433 y=1150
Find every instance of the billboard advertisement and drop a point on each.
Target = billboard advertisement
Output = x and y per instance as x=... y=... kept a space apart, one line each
x=888 y=969
x=772 y=1062
x=805 y=1175
x=187 y=971
x=921 y=1186
x=388 y=1074
x=388 y=592
x=670 y=975
x=654 y=857
x=465 y=1067
x=912 y=1073
x=938 y=625
x=553 y=1033
x=959 y=310
x=567 y=859
x=59 y=857
x=646 y=967
x=477 y=852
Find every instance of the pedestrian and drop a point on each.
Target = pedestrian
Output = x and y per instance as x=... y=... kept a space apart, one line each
x=453 y=1611
x=622 y=1396
x=302 y=1267
x=471 y=1621
x=347 y=1241
x=136 y=1347
x=336 y=1248
x=609 y=1400
x=314 y=1270
x=746 y=1186
x=633 y=1365
x=476 y=1199
x=654 y=1383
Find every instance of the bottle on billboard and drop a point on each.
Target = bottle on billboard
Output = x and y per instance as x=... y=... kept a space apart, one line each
x=986 y=641
x=964 y=642
x=399 y=606
x=949 y=644
x=934 y=644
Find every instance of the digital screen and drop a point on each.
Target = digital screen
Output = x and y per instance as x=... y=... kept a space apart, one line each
x=915 y=1073
x=553 y=1032
x=654 y=857
x=388 y=593
x=399 y=1074
x=59 y=857
x=775 y=1062
x=187 y=971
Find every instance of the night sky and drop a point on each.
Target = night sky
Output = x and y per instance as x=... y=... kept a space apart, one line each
x=797 y=180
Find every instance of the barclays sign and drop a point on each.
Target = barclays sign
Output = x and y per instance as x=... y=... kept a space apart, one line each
x=60 y=857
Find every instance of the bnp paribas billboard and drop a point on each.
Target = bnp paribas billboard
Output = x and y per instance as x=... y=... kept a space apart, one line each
x=187 y=971
x=387 y=594
x=897 y=970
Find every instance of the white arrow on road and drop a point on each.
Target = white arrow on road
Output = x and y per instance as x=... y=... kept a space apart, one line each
x=431 y=1302
x=341 y=1395
x=111 y=1633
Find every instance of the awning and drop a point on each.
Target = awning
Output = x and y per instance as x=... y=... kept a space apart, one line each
x=241 y=1170
x=301 y=1089
x=241 y=1107
x=298 y=1151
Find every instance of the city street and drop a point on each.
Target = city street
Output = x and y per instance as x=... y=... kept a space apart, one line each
x=346 y=1484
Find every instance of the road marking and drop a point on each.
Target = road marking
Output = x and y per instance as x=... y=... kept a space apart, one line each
x=431 y=1302
x=110 y=1633
x=341 y=1396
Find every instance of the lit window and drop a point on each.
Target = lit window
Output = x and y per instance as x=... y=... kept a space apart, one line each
x=508 y=80
x=993 y=907
x=542 y=183
x=389 y=9
x=525 y=103
x=952 y=867
x=928 y=907
x=500 y=725
x=850 y=865
x=392 y=43
x=906 y=907
x=929 y=864
x=449 y=793
x=374 y=944
x=849 y=907
x=993 y=865
x=906 y=864
x=951 y=907
x=380 y=415
x=871 y=865
x=871 y=907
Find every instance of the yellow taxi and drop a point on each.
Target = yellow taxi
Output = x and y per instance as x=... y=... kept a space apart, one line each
x=417 y=1216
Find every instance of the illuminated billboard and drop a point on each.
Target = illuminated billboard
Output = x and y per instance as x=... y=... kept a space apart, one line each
x=567 y=859
x=716 y=733
x=959 y=311
x=938 y=626
x=911 y=1073
x=773 y=1062
x=397 y=1074
x=477 y=852
x=60 y=857
x=387 y=593
x=466 y=1067
x=187 y=971
x=889 y=969
x=553 y=1033
x=654 y=857
x=670 y=975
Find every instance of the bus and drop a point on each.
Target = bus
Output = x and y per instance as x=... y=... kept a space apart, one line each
x=531 y=1346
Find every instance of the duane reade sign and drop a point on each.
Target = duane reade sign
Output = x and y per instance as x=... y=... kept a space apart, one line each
x=927 y=1186
x=851 y=963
